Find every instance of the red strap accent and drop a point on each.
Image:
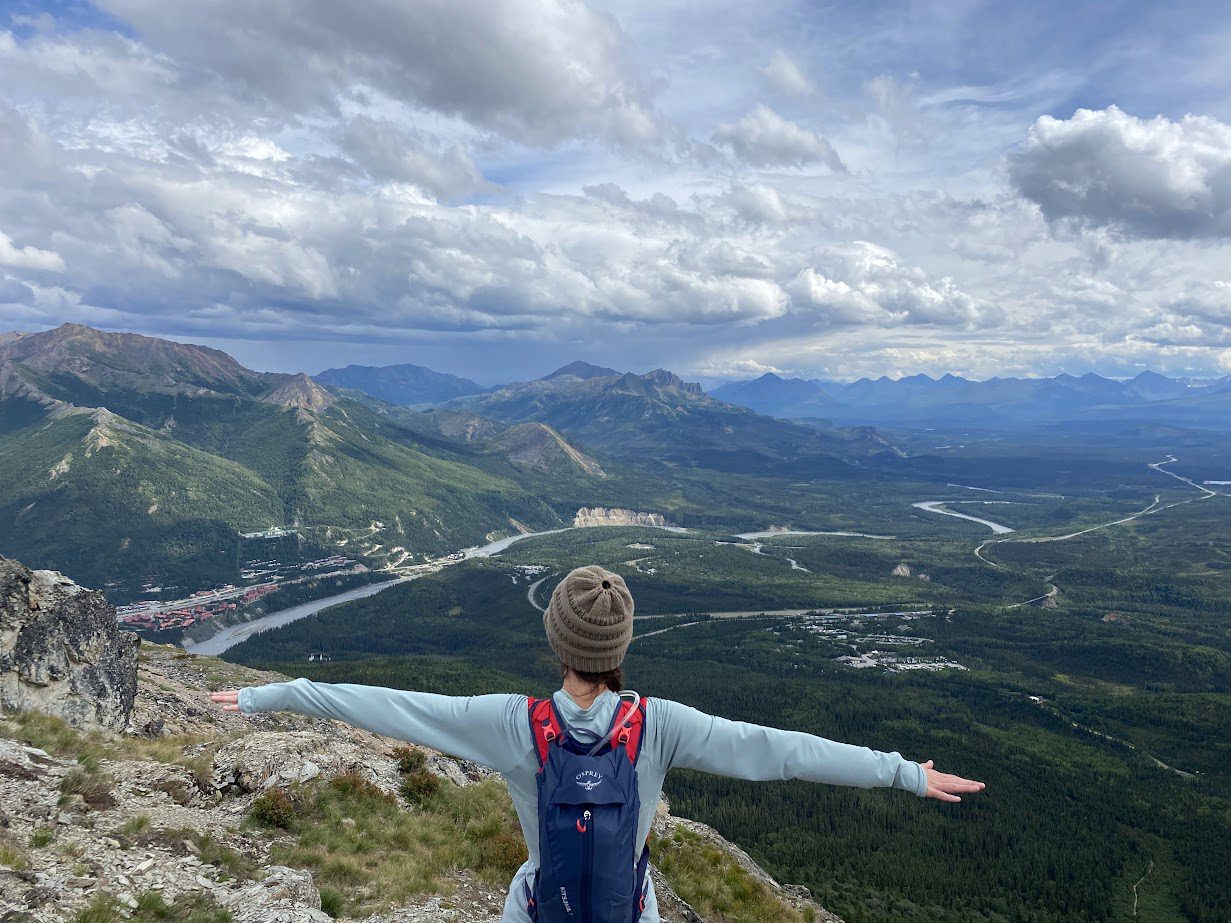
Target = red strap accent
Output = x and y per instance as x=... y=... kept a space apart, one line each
x=544 y=726
x=629 y=725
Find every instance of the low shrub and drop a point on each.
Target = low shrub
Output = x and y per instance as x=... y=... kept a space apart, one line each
x=419 y=786
x=409 y=759
x=273 y=809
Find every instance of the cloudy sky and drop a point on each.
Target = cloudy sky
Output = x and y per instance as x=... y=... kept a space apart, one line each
x=496 y=187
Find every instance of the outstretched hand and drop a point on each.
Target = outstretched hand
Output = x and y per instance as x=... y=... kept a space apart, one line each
x=229 y=699
x=944 y=785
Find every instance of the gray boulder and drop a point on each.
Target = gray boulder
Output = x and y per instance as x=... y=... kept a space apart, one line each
x=61 y=650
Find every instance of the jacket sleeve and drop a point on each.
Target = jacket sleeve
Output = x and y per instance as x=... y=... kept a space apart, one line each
x=490 y=729
x=691 y=739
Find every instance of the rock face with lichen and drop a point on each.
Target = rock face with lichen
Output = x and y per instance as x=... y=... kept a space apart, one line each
x=61 y=650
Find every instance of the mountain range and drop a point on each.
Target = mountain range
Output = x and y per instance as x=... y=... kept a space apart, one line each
x=132 y=455
x=999 y=403
x=660 y=419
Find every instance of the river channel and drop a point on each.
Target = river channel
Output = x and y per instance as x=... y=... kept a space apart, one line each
x=232 y=635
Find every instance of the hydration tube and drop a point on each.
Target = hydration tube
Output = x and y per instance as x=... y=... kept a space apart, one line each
x=606 y=737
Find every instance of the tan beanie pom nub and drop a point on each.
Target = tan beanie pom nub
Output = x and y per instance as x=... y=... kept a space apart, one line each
x=589 y=620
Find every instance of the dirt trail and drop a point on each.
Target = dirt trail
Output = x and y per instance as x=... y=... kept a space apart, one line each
x=1139 y=881
x=1119 y=741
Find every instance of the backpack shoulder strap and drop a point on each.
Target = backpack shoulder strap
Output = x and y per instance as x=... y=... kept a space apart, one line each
x=544 y=726
x=629 y=725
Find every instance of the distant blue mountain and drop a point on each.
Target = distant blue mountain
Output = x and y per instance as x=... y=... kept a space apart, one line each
x=997 y=402
x=770 y=394
x=407 y=385
x=582 y=370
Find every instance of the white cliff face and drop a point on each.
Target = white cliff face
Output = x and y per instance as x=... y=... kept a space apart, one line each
x=601 y=516
x=61 y=651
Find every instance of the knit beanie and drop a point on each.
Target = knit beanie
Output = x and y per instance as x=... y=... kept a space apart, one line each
x=589 y=620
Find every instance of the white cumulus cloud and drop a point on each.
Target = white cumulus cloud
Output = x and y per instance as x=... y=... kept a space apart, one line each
x=1146 y=178
x=28 y=257
x=539 y=71
x=763 y=138
x=864 y=283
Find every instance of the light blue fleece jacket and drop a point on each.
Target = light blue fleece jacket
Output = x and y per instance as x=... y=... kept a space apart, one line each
x=495 y=730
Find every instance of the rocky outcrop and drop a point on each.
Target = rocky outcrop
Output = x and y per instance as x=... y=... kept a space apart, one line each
x=284 y=894
x=601 y=516
x=167 y=822
x=537 y=445
x=61 y=651
x=904 y=570
x=300 y=392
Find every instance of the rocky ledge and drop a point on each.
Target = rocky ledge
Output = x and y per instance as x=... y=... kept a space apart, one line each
x=61 y=651
x=163 y=811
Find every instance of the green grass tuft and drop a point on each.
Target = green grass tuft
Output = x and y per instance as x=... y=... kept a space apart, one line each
x=152 y=907
x=12 y=856
x=41 y=837
x=717 y=886
x=366 y=852
x=94 y=786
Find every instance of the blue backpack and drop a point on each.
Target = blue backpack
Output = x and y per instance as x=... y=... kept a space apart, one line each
x=589 y=869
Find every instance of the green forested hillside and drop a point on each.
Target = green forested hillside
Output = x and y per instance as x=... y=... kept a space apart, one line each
x=193 y=448
x=98 y=496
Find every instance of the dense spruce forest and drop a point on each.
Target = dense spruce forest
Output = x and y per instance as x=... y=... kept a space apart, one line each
x=1070 y=819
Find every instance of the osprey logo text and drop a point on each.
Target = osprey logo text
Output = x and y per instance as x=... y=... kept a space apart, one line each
x=589 y=779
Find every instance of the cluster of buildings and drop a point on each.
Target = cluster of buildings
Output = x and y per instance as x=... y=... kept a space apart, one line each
x=896 y=663
x=182 y=613
x=854 y=629
x=204 y=605
x=273 y=569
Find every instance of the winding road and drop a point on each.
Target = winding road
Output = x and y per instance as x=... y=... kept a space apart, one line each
x=1155 y=506
x=530 y=593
